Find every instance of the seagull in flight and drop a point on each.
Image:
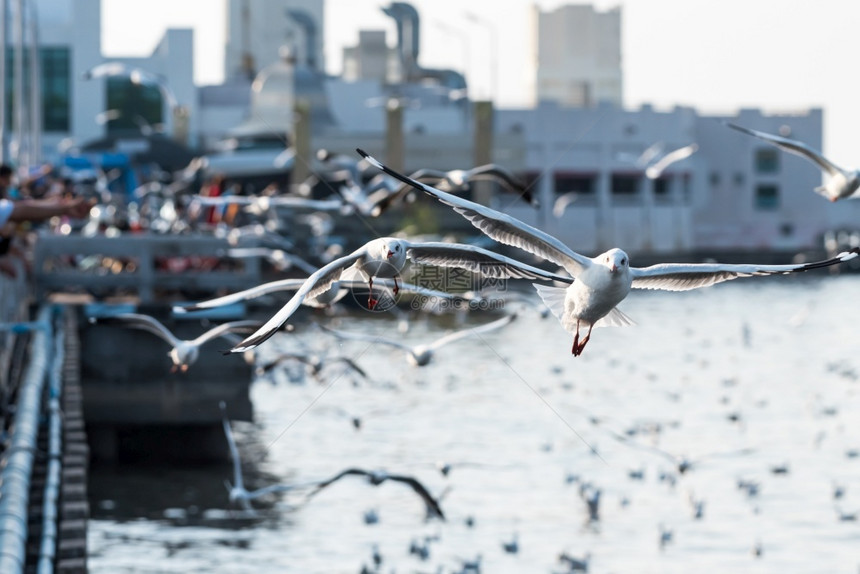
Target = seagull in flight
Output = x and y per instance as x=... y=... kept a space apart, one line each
x=654 y=161
x=385 y=257
x=377 y=477
x=183 y=352
x=601 y=282
x=316 y=364
x=841 y=184
x=237 y=490
x=460 y=180
x=420 y=355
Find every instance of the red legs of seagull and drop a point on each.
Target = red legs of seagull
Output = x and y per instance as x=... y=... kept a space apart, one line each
x=396 y=287
x=371 y=302
x=578 y=345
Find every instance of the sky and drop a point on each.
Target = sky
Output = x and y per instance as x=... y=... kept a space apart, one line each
x=714 y=55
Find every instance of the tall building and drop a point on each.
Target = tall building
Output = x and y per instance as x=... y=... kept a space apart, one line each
x=257 y=29
x=577 y=54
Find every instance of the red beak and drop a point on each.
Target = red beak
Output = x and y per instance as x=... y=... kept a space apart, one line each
x=390 y=253
x=613 y=268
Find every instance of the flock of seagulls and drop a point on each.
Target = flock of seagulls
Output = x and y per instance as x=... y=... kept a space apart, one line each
x=581 y=292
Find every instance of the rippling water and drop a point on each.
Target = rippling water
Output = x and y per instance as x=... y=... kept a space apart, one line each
x=766 y=365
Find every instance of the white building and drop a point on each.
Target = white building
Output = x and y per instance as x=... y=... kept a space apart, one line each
x=577 y=55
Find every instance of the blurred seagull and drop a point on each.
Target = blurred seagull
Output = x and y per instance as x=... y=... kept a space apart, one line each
x=842 y=183
x=377 y=477
x=238 y=492
x=420 y=355
x=460 y=180
x=385 y=257
x=602 y=282
x=315 y=363
x=184 y=352
x=655 y=169
x=137 y=76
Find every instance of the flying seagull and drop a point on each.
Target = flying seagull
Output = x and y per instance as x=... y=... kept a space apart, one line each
x=420 y=355
x=601 y=282
x=238 y=492
x=385 y=257
x=655 y=169
x=842 y=183
x=377 y=477
x=183 y=352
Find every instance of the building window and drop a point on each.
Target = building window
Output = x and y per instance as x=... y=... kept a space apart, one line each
x=714 y=178
x=625 y=185
x=739 y=179
x=662 y=188
x=786 y=229
x=139 y=106
x=767 y=196
x=582 y=184
x=767 y=160
x=55 y=84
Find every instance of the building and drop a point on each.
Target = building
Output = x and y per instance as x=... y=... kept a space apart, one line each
x=257 y=29
x=577 y=54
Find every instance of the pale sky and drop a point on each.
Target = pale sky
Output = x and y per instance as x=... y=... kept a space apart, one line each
x=714 y=55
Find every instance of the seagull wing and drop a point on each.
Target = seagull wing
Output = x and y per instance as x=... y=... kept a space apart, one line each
x=503 y=228
x=234 y=450
x=686 y=276
x=317 y=283
x=795 y=147
x=657 y=168
x=433 y=508
x=500 y=175
x=563 y=202
x=225 y=328
x=338 y=476
x=463 y=333
x=365 y=337
x=477 y=260
x=252 y=293
x=145 y=323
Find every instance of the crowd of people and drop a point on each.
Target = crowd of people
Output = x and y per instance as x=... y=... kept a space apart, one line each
x=28 y=201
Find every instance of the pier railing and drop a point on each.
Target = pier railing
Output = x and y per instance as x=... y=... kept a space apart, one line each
x=145 y=265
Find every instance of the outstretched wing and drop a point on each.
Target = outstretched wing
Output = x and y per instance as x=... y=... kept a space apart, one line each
x=433 y=508
x=144 y=323
x=463 y=333
x=686 y=276
x=234 y=450
x=252 y=293
x=225 y=328
x=477 y=260
x=795 y=147
x=356 y=336
x=499 y=226
x=654 y=170
x=317 y=283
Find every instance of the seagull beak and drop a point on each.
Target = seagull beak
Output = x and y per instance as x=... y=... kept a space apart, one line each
x=390 y=253
x=613 y=268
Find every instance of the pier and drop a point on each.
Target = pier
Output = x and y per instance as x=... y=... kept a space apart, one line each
x=77 y=397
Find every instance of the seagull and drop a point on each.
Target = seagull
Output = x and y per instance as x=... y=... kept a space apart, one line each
x=842 y=183
x=420 y=355
x=137 y=76
x=655 y=169
x=237 y=490
x=315 y=363
x=460 y=180
x=385 y=257
x=377 y=477
x=183 y=352
x=575 y=564
x=562 y=202
x=601 y=282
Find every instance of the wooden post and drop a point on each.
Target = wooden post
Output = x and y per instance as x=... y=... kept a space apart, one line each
x=395 y=152
x=482 y=152
x=301 y=141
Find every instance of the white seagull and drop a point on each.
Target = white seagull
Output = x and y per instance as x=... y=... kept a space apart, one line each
x=655 y=169
x=601 y=282
x=841 y=183
x=385 y=257
x=183 y=352
x=420 y=355
x=238 y=492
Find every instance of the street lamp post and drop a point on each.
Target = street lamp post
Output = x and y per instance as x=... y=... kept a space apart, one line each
x=494 y=50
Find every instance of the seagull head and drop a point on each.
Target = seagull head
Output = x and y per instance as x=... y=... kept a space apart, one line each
x=395 y=252
x=615 y=260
